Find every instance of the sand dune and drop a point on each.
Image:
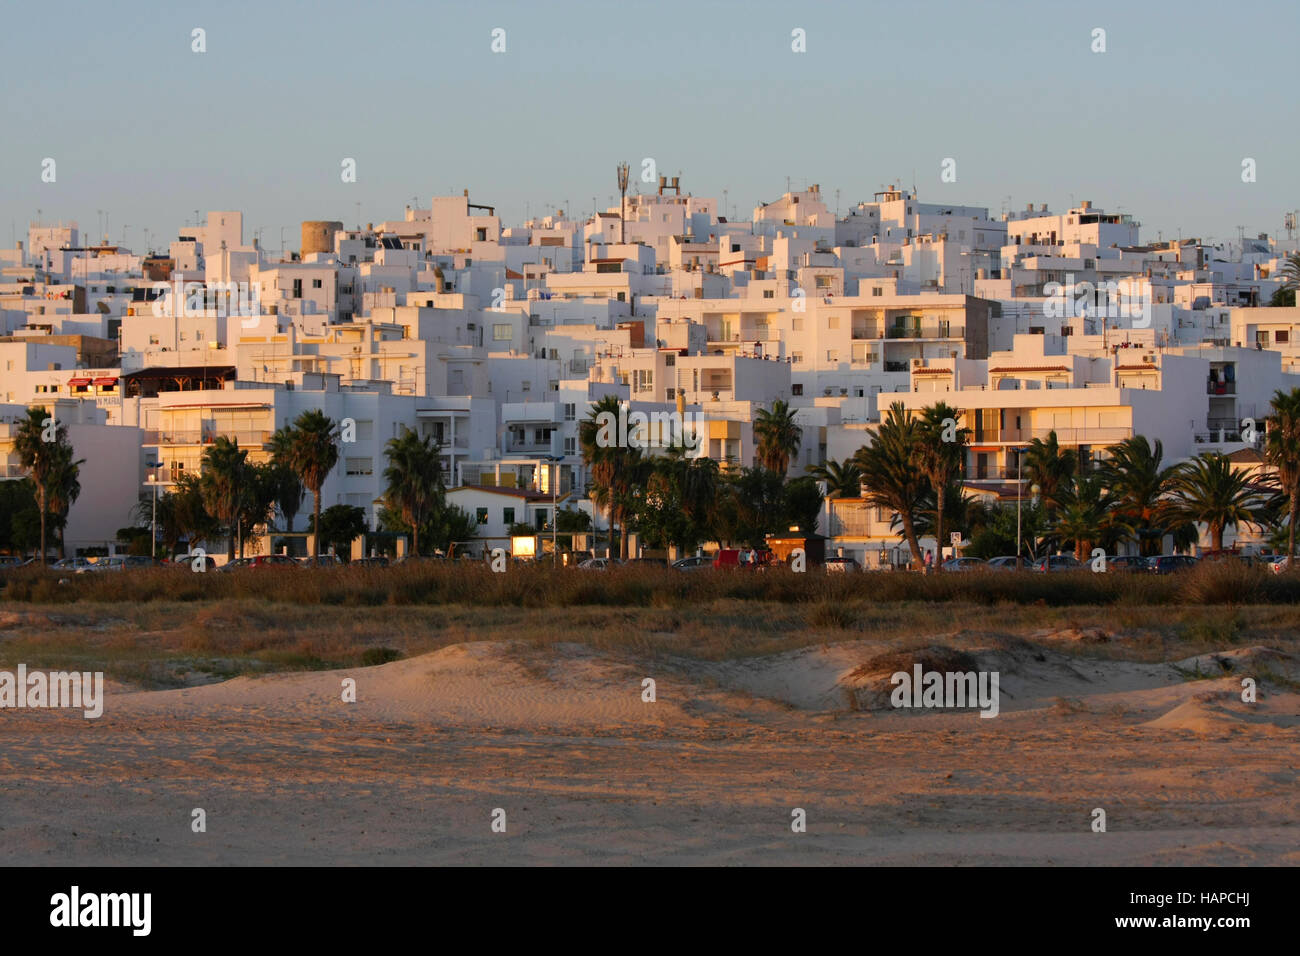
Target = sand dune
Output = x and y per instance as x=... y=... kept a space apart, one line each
x=587 y=771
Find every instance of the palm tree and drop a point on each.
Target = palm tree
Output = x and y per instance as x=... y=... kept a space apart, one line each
x=1138 y=484
x=257 y=502
x=64 y=487
x=287 y=485
x=889 y=475
x=1049 y=466
x=414 y=477
x=1082 y=513
x=1282 y=451
x=1212 y=493
x=843 y=478
x=938 y=454
x=38 y=442
x=1291 y=272
x=614 y=466
x=313 y=453
x=191 y=519
x=777 y=436
x=221 y=483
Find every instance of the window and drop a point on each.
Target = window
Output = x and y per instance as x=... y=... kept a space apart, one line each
x=570 y=411
x=297 y=288
x=823 y=282
x=359 y=466
x=507 y=514
x=769 y=293
x=1282 y=336
x=502 y=332
x=527 y=385
x=481 y=236
x=832 y=355
x=570 y=446
x=670 y=360
x=315 y=283
x=877 y=291
x=644 y=380
x=796 y=389
x=797 y=358
x=481 y=515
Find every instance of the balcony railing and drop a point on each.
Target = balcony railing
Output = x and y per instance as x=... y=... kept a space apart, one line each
x=205 y=437
x=1220 y=388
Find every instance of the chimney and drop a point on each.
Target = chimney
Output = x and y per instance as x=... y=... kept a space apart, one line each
x=1087 y=204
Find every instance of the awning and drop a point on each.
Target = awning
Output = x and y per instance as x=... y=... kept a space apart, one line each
x=106 y=381
x=73 y=382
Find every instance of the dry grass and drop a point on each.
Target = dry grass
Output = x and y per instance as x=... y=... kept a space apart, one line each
x=161 y=643
x=540 y=586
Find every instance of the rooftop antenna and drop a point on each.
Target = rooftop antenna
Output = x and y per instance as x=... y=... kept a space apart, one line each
x=622 y=201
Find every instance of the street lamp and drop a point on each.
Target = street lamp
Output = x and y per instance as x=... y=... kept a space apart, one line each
x=153 y=524
x=555 y=515
x=1020 y=491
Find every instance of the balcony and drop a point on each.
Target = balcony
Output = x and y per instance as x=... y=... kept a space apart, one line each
x=1220 y=388
x=1085 y=436
x=940 y=330
x=205 y=437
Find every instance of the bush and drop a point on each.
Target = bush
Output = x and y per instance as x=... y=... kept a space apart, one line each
x=373 y=656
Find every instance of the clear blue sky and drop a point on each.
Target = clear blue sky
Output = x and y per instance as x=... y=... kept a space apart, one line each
x=146 y=130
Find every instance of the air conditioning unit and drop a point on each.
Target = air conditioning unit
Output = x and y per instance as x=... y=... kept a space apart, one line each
x=918 y=363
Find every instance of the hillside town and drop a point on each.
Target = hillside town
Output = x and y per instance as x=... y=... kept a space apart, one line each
x=774 y=350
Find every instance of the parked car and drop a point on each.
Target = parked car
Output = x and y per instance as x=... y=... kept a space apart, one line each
x=188 y=561
x=1003 y=563
x=696 y=562
x=1171 y=563
x=124 y=562
x=598 y=564
x=1227 y=556
x=260 y=561
x=378 y=561
x=840 y=565
x=75 y=565
x=320 y=561
x=648 y=562
x=1058 y=562
x=968 y=564
x=1278 y=563
x=1130 y=563
x=747 y=558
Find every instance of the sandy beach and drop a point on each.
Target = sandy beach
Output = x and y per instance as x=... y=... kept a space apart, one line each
x=587 y=772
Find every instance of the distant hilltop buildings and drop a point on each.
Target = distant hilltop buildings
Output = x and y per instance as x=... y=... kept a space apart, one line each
x=495 y=340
